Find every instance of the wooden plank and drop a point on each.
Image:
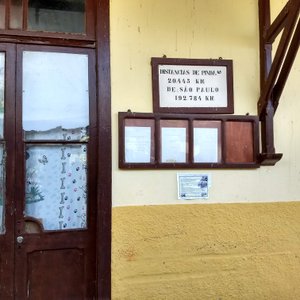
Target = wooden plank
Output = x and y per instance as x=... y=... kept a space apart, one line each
x=279 y=57
x=104 y=151
x=239 y=146
x=287 y=66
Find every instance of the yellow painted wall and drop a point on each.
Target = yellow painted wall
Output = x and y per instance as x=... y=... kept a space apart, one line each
x=141 y=29
x=221 y=250
x=213 y=252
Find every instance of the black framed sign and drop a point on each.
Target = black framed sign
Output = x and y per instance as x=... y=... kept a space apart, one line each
x=192 y=85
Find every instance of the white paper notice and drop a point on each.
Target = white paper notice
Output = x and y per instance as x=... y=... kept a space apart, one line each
x=192 y=86
x=137 y=144
x=173 y=145
x=206 y=145
x=192 y=186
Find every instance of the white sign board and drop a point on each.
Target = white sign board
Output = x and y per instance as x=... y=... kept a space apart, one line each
x=200 y=86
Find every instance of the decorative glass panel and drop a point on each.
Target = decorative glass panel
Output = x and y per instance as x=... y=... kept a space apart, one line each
x=16 y=14
x=2 y=81
x=2 y=14
x=2 y=185
x=55 y=96
x=56 y=185
x=57 y=16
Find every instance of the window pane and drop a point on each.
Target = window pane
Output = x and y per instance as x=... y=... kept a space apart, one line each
x=2 y=14
x=16 y=14
x=2 y=80
x=174 y=141
x=2 y=185
x=56 y=185
x=55 y=96
x=57 y=15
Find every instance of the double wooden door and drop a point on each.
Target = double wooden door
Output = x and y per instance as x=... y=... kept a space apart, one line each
x=48 y=161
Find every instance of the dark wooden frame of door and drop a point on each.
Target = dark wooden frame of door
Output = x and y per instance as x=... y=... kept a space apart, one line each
x=103 y=91
x=104 y=209
x=7 y=240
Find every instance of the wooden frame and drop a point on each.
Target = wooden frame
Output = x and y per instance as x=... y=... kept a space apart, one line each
x=192 y=85
x=104 y=174
x=7 y=240
x=274 y=73
x=97 y=41
x=25 y=33
x=235 y=140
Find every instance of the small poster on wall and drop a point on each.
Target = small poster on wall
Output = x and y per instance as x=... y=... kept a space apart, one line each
x=192 y=186
x=192 y=85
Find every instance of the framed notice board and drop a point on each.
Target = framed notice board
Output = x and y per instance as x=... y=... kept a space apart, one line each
x=192 y=85
x=160 y=140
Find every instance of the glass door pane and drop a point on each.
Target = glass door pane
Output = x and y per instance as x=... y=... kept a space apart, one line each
x=2 y=14
x=55 y=126
x=56 y=185
x=66 y=16
x=16 y=14
x=55 y=96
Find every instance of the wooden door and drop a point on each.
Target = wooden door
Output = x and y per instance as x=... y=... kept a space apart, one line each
x=49 y=224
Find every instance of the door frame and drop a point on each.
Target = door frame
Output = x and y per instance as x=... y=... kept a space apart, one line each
x=104 y=195
x=101 y=44
x=7 y=240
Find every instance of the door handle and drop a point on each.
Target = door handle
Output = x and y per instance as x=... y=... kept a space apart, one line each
x=20 y=239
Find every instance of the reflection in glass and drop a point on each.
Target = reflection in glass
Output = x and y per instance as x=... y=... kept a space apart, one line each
x=2 y=80
x=16 y=14
x=56 y=185
x=206 y=145
x=207 y=141
x=2 y=14
x=174 y=141
x=55 y=96
x=2 y=185
x=66 y=16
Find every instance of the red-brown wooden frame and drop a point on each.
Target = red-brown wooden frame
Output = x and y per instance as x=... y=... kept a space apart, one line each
x=190 y=118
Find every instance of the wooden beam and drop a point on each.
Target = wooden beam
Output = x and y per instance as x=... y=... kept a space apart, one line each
x=265 y=50
x=287 y=66
x=104 y=209
x=279 y=56
x=277 y=25
x=267 y=138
